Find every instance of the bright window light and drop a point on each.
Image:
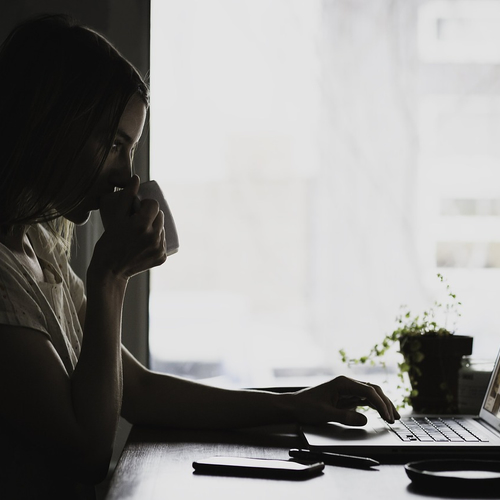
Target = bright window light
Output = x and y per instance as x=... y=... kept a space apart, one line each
x=316 y=165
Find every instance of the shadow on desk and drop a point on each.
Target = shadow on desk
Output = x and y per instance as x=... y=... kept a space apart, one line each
x=157 y=464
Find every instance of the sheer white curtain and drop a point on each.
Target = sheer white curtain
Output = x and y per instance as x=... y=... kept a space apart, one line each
x=366 y=260
x=288 y=138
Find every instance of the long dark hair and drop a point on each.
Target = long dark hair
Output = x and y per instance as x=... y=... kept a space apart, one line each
x=62 y=86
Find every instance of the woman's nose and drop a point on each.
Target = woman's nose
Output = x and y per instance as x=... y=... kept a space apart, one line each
x=122 y=172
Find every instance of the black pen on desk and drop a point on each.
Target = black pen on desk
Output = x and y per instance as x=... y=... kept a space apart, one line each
x=334 y=458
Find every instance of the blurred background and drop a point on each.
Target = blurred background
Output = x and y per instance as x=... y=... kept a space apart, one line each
x=324 y=160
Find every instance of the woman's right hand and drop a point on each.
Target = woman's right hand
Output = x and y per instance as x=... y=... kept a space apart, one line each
x=134 y=237
x=337 y=400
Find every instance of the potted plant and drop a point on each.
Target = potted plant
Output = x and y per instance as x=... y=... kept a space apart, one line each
x=432 y=355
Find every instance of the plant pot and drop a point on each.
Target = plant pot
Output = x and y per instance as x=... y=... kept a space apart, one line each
x=433 y=363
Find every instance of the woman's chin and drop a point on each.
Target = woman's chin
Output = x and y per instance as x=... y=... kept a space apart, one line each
x=78 y=217
x=81 y=213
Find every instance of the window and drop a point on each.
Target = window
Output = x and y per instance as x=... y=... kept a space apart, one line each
x=323 y=160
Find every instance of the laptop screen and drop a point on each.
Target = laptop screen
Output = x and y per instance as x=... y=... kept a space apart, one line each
x=492 y=399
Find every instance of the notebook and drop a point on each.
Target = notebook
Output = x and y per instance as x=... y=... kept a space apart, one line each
x=423 y=436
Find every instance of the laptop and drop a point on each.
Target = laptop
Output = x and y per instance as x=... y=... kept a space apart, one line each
x=417 y=436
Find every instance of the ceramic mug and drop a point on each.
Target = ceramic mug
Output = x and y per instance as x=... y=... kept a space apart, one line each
x=152 y=191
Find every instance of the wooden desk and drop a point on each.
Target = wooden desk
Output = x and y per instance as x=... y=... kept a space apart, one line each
x=156 y=464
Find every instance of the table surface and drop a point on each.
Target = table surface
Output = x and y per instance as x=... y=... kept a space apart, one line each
x=157 y=464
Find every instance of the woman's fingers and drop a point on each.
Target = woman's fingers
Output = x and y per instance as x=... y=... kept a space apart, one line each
x=118 y=206
x=374 y=399
x=337 y=400
x=128 y=194
x=147 y=213
x=134 y=237
x=388 y=402
x=367 y=394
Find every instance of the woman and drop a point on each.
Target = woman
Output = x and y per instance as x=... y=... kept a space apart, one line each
x=72 y=112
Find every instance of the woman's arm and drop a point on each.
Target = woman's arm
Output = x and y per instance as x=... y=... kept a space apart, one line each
x=70 y=418
x=129 y=245
x=155 y=399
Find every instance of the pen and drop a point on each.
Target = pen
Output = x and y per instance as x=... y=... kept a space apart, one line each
x=334 y=458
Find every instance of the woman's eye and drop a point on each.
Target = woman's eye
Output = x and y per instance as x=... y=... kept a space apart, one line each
x=116 y=146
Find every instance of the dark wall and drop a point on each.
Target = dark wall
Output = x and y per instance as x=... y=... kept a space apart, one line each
x=93 y=13
x=124 y=22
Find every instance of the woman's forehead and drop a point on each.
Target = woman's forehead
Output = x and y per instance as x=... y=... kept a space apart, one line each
x=132 y=120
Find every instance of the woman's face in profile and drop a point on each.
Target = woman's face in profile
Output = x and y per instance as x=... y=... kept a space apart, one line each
x=117 y=168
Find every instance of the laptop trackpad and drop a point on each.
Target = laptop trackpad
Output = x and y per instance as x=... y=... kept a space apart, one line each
x=332 y=433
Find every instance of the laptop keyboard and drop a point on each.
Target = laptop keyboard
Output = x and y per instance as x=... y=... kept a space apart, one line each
x=435 y=429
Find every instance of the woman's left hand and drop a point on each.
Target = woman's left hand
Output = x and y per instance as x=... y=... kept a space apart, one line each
x=133 y=240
